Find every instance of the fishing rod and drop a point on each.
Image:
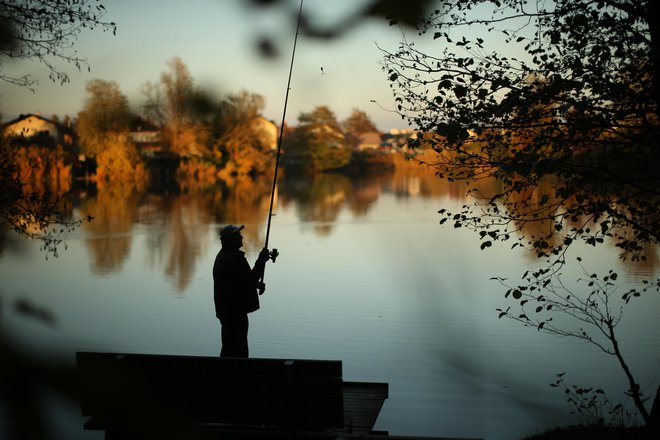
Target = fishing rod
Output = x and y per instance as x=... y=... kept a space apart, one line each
x=274 y=253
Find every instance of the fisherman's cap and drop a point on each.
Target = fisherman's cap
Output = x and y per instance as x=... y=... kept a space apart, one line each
x=230 y=229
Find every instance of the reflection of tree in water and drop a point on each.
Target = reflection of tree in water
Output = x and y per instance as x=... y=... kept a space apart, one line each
x=187 y=243
x=319 y=197
x=43 y=170
x=179 y=238
x=244 y=201
x=531 y=207
x=410 y=178
x=534 y=207
x=178 y=230
x=109 y=239
x=365 y=193
x=181 y=222
x=646 y=266
x=186 y=220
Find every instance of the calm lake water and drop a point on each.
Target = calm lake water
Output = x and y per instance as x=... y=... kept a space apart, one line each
x=366 y=275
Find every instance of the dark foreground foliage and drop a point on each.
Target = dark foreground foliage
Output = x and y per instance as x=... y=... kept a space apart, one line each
x=596 y=432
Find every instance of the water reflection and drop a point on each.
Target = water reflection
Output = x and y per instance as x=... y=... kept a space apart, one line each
x=318 y=198
x=176 y=229
x=418 y=316
x=109 y=237
x=244 y=201
x=176 y=226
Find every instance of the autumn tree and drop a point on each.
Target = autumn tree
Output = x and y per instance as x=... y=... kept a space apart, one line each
x=28 y=213
x=318 y=142
x=320 y=116
x=356 y=124
x=179 y=107
x=244 y=139
x=559 y=104
x=105 y=113
x=45 y=31
x=103 y=128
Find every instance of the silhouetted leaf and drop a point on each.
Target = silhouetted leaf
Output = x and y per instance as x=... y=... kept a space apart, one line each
x=460 y=91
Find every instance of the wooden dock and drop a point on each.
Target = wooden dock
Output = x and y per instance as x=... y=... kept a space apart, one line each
x=162 y=397
x=362 y=404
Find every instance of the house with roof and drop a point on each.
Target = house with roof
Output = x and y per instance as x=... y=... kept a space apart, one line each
x=397 y=139
x=146 y=135
x=37 y=129
x=268 y=131
x=370 y=140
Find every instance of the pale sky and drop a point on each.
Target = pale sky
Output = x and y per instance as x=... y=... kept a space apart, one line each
x=216 y=40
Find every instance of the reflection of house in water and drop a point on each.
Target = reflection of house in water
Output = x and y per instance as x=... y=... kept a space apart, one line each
x=147 y=137
x=38 y=130
x=412 y=185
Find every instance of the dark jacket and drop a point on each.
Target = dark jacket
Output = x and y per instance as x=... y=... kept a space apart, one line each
x=234 y=284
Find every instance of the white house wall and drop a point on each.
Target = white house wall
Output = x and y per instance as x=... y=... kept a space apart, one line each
x=32 y=126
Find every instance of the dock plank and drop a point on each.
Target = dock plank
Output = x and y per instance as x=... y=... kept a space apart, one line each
x=362 y=404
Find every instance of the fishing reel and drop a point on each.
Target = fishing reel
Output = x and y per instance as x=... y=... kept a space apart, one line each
x=261 y=286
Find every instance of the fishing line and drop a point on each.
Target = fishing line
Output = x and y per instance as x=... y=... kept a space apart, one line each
x=274 y=253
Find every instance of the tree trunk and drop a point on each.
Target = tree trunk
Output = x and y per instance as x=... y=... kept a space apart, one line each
x=634 y=387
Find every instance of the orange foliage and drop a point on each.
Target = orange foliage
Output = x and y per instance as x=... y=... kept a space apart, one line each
x=196 y=174
x=43 y=169
x=118 y=160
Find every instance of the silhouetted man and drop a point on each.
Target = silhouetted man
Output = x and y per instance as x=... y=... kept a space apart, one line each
x=235 y=290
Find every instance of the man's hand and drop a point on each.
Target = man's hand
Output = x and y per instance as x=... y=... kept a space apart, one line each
x=264 y=256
